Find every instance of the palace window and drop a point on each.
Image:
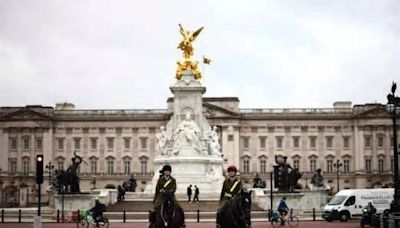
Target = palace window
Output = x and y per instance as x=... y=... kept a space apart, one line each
x=329 y=142
x=143 y=142
x=313 y=140
x=127 y=143
x=13 y=166
x=367 y=165
x=246 y=166
x=127 y=167
x=381 y=165
x=329 y=166
x=93 y=143
x=77 y=143
x=296 y=142
x=39 y=143
x=346 y=166
x=25 y=166
x=380 y=141
x=93 y=167
x=143 y=166
x=110 y=167
x=110 y=143
x=368 y=141
x=313 y=165
x=246 y=142
x=26 y=143
x=262 y=166
x=13 y=142
x=262 y=142
x=279 y=142
x=346 y=142
x=60 y=143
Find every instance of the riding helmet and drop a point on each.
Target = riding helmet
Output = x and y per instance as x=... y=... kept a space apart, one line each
x=232 y=168
x=166 y=168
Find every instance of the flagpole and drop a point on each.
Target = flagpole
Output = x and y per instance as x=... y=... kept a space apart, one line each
x=204 y=73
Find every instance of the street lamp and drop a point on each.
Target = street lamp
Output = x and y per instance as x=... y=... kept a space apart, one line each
x=94 y=182
x=337 y=165
x=393 y=107
x=50 y=167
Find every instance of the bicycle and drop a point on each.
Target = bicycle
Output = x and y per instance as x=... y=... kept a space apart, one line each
x=291 y=220
x=87 y=220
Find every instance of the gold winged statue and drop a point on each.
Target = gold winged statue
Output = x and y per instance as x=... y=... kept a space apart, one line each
x=186 y=45
x=188 y=38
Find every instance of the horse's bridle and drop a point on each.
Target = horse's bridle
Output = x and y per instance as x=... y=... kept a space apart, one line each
x=162 y=213
x=243 y=213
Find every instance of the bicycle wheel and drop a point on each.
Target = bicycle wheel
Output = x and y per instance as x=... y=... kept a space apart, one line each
x=83 y=224
x=293 y=221
x=276 y=222
x=106 y=223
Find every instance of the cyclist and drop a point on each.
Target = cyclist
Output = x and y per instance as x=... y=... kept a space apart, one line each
x=97 y=211
x=283 y=210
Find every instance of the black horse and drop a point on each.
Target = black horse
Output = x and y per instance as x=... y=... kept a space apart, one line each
x=236 y=214
x=169 y=215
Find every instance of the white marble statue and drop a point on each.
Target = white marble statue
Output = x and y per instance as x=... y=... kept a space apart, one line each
x=162 y=141
x=214 y=146
x=186 y=134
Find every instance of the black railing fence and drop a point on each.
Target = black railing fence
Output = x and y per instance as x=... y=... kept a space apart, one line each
x=21 y=216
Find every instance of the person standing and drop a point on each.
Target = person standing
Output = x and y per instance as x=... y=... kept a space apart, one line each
x=132 y=184
x=189 y=193
x=196 y=194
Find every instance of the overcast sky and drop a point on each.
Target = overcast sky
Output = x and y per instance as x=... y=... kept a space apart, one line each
x=271 y=54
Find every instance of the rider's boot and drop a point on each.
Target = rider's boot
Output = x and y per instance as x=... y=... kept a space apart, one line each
x=152 y=218
x=183 y=217
x=217 y=224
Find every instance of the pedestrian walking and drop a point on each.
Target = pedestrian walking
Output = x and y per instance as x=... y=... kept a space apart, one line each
x=196 y=194
x=189 y=193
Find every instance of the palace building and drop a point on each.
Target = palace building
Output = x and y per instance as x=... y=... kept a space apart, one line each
x=116 y=144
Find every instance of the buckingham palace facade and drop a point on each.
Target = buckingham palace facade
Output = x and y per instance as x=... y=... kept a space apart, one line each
x=116 y=144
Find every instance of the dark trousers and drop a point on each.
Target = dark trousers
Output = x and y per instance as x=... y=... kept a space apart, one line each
x=196 y=198
x=189 y=197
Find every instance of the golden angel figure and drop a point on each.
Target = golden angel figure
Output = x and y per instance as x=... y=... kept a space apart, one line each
x=188 y=38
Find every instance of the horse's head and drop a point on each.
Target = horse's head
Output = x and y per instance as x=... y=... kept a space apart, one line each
x=245 y=205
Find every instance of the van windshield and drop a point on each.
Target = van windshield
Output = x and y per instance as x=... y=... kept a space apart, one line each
x=337 y=200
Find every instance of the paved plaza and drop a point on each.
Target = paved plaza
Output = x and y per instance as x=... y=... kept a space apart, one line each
x=189 y=225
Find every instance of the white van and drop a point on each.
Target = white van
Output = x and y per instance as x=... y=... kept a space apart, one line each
x=349 y=203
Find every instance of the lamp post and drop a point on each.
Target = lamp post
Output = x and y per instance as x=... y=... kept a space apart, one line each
x=337 y=165
x=393 y=106
x=50 y=167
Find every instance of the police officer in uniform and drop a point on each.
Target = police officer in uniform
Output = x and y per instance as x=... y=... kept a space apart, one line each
x=165 y=183
x=232 y=185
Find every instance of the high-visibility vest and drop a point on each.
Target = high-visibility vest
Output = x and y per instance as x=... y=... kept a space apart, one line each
x=229 y=194
x=165 y=185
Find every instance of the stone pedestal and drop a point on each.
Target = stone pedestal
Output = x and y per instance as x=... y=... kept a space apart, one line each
x=84 y=201
x=204 y=172
x=187 y=144
x=302 y=200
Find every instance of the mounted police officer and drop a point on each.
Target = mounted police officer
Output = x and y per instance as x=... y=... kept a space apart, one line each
x=165 y=183
x=231 y=186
